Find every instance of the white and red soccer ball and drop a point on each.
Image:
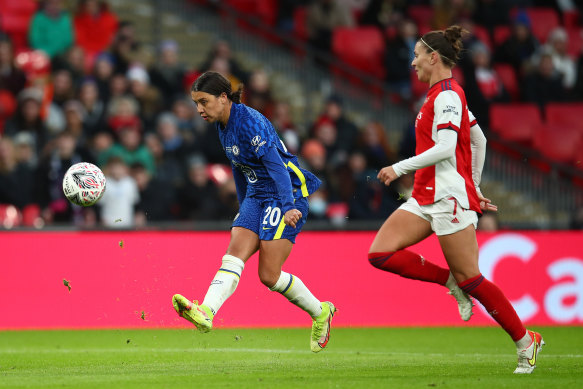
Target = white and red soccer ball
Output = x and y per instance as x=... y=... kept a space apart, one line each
x=84 y=184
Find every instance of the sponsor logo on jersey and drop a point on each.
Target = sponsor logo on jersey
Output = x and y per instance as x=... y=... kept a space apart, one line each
x=452 y=109
x=256 y=141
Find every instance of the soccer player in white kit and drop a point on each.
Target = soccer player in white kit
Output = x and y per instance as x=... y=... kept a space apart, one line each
x=446 y=198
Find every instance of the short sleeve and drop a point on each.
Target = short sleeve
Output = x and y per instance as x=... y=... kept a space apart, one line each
x=448 y=110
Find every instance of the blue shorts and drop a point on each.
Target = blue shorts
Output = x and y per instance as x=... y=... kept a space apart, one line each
x=265 y=218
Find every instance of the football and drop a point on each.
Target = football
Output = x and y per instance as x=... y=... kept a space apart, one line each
x=84 y=184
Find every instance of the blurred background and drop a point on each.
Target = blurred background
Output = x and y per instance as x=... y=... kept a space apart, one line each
x=108 y=82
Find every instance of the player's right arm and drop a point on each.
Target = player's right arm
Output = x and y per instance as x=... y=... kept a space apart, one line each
x=240 y=184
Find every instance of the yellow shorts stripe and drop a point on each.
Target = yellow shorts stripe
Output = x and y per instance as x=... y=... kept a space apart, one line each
x=302 y=178
x=280 y=228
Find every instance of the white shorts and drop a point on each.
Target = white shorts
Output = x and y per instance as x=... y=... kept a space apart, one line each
x=445 y=216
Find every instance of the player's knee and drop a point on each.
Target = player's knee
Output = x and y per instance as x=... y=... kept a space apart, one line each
x=268 y=277
x=379 y=259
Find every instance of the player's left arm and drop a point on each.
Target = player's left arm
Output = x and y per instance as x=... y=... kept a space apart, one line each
x=478 y=145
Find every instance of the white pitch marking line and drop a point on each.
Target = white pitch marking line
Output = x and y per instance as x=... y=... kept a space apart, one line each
x=137 y=349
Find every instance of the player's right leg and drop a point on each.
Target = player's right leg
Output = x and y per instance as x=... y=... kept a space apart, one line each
x=387 y=252
x=405 y=227
x=243 y=244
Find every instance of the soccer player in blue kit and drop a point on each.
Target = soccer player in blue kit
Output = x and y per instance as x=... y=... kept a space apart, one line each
x=272 y=190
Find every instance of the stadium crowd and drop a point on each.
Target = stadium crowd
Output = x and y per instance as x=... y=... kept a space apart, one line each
x=83 y=88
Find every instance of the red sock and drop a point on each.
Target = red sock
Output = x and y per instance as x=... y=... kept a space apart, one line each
x=409 y=265
x=496 y=304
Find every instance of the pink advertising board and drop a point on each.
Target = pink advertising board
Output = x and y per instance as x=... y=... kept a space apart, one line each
x=132 y=286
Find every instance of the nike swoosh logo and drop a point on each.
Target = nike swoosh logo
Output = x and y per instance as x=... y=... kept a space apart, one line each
x=532 y=361
x=267 y=228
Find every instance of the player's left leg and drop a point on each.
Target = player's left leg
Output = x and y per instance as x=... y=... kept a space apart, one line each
x=272 y=255
x=461 y=252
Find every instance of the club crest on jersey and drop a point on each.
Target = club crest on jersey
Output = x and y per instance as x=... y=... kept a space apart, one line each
x=235 y=150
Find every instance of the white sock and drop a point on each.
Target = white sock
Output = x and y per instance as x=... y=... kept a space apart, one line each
x=297 y=293
x=523 y=342
x=224 y=283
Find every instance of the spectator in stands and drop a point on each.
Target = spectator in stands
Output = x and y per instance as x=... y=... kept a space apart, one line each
x=54 y=205
x=222 y=49
x=223 y=65
x=374 y=145
x=95 y=27
x=119 y=201
x=147 y=96
x=103 y=71
x=544 y=84
x=257 y=94
x=51 y=29
x=122 y=112
x=557 y=44
x=27 y=118
x=398 y=58
x=198 y=197
x=383 y=13
x=367 y=198
x=313 y=155
x=157 y=196
x=63 y=88
x=24 y=150
x=16 y=179
x=167 y=75
x=74 y=117
x=171 y=152
x=11 y=78
x=285 y=14
x=323 y=17
x=347 y=132
x=74 y=62
x=448 y=12
x=483 y=85
x=119 y=86
x=126 y=49
x=94 y=119
x=130 y=149
x=282 y=122
x=520 y=46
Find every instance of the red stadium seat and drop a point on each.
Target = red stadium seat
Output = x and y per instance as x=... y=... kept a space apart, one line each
x=565 y=114
x=363 y=48
x=421 y=14
x=543 y=20
x=501 y=33
x=483 y=35
x=300 y=29
x=16 y=26
x=515 y=122
x=508 y=76
x=557 y=142
x=571 y=19
x=18 y=7
x=575 y=48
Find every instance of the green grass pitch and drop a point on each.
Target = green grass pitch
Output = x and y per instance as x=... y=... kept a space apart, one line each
x=459 y=357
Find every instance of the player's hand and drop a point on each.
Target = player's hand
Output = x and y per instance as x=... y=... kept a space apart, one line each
x=387 y=175
x=291 y=217
x=486 y=204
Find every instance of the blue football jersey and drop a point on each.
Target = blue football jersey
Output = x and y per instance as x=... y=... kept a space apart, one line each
x=246 y=138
